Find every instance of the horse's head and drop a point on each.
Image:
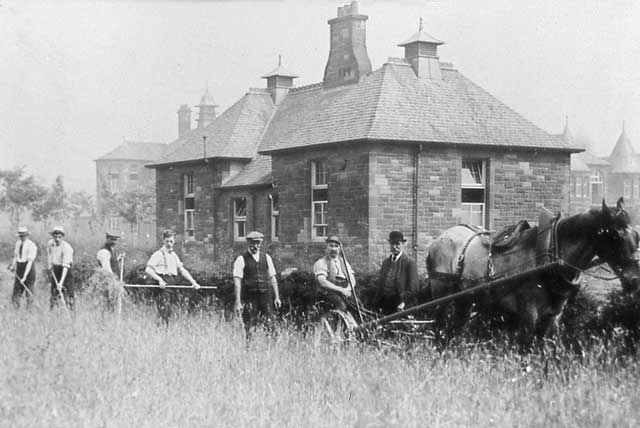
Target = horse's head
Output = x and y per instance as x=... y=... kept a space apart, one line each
x=617 y=242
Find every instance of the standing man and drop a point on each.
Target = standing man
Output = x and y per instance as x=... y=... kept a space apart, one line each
x=163 y=266
x=331 y=275
x=256 y=286
x=398 y=274
x=60 y=257
x=107 y=258
x=22 y=264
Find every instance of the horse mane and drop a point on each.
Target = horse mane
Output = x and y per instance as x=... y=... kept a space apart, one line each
x=594 y=219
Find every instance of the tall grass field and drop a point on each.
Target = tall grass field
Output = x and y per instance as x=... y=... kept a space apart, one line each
x=201 y=372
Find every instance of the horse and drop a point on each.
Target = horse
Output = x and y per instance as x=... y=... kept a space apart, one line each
x=464 y=256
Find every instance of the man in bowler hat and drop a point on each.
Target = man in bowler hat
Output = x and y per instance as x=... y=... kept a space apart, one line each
x=398 y=275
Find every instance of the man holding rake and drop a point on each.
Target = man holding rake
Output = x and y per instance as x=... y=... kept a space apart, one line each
x=60 y=257
x=22 y=264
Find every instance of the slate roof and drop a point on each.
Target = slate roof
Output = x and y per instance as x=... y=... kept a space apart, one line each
x=256 y=172
x=233 y=134
x=624 y=158
x=136 y=150
x=392 y=104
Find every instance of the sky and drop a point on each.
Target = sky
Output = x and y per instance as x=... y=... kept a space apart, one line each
x=77 y=77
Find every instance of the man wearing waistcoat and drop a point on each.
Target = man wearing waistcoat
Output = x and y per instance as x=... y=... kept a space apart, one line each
x=331 y=275
x=398 y=275
x=22 y=264
x=256 y=286
x=163 y=267
x=107 y=258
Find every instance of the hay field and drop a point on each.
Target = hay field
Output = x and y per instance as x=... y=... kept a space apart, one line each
x=200 y=372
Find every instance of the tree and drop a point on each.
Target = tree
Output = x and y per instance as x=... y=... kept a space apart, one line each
x=18 y=194
x=136 y=205
x=53 y=206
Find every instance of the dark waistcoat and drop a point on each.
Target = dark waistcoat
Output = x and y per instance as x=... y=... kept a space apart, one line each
x=256 y=274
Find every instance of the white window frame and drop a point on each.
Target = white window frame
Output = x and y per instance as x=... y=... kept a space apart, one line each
x=239 y=233
x=319 y=231
x=275 y=217
x=114 y=223
x=468 y=208
x=113 y=182
x=597 y=187
x=189 y=213
x=627 y=191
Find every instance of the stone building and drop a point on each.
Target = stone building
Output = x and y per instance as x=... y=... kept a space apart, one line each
x=594 y=178
x=413 y=145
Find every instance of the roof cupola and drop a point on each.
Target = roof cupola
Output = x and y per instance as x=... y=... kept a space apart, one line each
x=279 y=81
x=421 y=51
x=207 y=108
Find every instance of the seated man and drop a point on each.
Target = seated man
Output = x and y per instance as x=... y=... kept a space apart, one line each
x=331 y=275
x=163 y=266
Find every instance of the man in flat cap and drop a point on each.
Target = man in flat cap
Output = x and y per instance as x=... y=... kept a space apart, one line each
x=398 y=275
x=24 y=255
x=107 y=258
x=163 y=266
x=60 y=257
x=256 y=285
x=331 y=275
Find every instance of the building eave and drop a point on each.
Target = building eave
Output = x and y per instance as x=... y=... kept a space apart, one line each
x=192 y=161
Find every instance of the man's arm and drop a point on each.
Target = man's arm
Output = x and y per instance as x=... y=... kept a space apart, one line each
x=67 y=259
x=104 y=258
x=185 y=273
x=149 y=270
x=238 y=273
x=274 y=282
x=33 y=253
x=14 y=260
x=324 y=282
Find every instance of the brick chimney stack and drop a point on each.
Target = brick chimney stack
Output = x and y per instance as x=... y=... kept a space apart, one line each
x=279 y=81
x=421 y=50
x=184 y=120
x=207 y=108
x=348 y=58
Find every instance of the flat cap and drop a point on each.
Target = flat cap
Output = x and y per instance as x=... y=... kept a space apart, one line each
x=57 y=230
x=23 y=230
x=255 y=236
x=111 y=234
x=334 y=239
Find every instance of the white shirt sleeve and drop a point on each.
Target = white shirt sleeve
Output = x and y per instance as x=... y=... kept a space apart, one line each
x=156 y=260
x=320 y=268
x=271 y=268
x=179 y=264
x=104 y=258
x=238 y=267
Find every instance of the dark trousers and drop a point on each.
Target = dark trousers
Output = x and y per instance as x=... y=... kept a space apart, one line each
x=335 y=300
x=18 y=288
x=258 y=309
x=387 y=304
x=163 y=296
x=67 y=288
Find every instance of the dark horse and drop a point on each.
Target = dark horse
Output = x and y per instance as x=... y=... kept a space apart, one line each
x=464 y=256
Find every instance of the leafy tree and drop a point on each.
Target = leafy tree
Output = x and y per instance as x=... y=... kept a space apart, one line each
x=135 y=205
x=53 y=206
x=19 y=194
x=80 y=204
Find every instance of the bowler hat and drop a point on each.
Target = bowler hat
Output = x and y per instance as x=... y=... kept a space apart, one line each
x=57 y=230
x=255 y=236
x=23 y=231
x=334 y=239
x=396 y=236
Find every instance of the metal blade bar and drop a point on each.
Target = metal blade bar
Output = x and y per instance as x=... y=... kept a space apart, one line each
x=185 y=287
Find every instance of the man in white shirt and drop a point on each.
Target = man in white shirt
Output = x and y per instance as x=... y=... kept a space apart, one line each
x=256 y=286
x=60 y=257
x=22 y=264
x=331 y=275
x=163 y=267
x=107 y=258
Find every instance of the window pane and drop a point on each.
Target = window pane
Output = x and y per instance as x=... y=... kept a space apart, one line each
x=320 y=173
x=240 y=207
x=472 y=174
x=473 y=214
x=320 y=231
x=241 y=227
x=189 y=203
x=472 y=195
x=320 y=194
x=188 y=219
